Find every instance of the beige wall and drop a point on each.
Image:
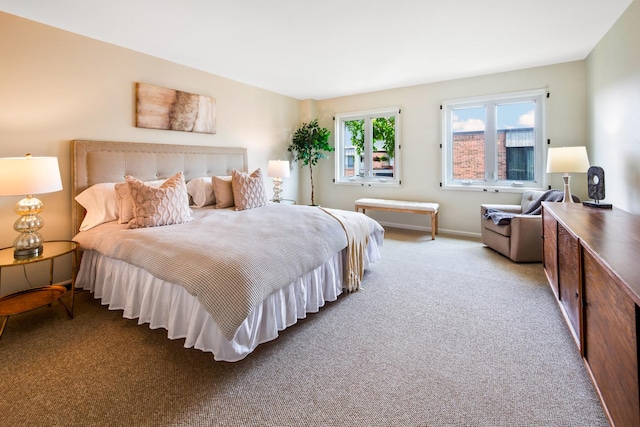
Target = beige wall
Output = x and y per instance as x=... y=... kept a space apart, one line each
x=566 y=118
x=56 y=86
x=613 y=70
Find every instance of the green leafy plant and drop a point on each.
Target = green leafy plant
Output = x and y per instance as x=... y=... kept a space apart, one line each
x=383 y=130
x=308 y=145
x=356 y=128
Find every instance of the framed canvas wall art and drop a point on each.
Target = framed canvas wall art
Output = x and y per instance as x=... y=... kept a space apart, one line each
x=170 y=109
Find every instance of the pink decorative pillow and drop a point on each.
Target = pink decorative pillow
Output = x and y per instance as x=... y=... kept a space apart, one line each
x=125 y=204
x=155 y=206
x=222 y=191
x=248 y=190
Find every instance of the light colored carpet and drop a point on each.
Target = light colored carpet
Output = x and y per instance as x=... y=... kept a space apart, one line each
x=444 y=333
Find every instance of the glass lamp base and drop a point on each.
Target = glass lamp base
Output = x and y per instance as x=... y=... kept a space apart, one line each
x=28 y=253
x=277 y=190
x=28 y=244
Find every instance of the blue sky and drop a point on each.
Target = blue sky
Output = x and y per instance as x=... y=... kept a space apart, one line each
x=510 y=116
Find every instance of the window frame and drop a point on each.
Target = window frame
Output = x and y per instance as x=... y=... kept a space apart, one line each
x=491 y=181
x=340 y=145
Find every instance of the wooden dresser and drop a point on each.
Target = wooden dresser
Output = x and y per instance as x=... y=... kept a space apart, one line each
x=592 y=260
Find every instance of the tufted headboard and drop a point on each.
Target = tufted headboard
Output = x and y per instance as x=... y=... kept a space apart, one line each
x=94 y=162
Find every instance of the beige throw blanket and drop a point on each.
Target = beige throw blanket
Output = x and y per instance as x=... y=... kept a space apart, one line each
x=356 y=227
x=230 y=261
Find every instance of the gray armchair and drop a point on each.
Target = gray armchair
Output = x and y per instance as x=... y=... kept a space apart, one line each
x=521 y=240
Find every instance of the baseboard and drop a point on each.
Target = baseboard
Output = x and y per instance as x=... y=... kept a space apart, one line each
x=428 y=229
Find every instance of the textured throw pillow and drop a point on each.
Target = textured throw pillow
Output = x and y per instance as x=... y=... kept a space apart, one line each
x=156 y=206
x=201 y=191
x=99 y=201
x=222 y=191
x=124 y=202
x=248 y=190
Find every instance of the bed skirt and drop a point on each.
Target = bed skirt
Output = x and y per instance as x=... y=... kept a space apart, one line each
x=161 y=304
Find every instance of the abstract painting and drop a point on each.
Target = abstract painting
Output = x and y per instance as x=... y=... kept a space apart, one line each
x=161 y=108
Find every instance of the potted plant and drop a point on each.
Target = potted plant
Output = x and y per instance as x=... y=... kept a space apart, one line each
x=308 y=145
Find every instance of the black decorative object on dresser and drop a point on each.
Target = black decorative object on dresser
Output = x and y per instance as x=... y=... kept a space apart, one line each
x=595 y=187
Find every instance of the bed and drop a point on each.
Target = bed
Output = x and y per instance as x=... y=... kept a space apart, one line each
x=225 y=278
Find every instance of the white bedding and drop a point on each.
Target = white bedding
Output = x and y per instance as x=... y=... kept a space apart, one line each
x=164 y=304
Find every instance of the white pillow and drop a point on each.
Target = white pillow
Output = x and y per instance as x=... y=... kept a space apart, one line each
x=201 y=191
x=100 y=202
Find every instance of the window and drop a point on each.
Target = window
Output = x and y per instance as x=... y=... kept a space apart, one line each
x=494 y=142
x=367 y=147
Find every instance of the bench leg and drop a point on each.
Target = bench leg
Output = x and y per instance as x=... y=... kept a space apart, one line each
x=433 y=226
x=436 y=222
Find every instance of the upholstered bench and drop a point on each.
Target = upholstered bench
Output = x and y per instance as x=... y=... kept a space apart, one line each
x=423 y=208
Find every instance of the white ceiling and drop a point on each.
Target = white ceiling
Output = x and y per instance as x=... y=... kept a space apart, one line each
x=328 y=48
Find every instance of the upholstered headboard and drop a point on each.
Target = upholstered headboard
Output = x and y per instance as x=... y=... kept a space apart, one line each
x=94 y=162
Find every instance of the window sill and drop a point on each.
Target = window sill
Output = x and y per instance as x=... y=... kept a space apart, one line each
x=370 y=183
x=492 y=189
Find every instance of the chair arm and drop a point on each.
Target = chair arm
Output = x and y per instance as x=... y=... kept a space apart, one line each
x=516 y=209
x=526 y=238
x=527 y=219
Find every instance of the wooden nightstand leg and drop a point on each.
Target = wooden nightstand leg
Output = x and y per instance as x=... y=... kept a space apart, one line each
x=4 y=323
x=51 y=271
x=74 y=268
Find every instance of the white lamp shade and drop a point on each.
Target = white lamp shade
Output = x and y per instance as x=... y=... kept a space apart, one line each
x=567 y=160
x=21 y=176
x=278 y=168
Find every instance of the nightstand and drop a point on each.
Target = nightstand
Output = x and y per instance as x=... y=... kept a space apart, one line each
x=285 y=202
x=31 y=299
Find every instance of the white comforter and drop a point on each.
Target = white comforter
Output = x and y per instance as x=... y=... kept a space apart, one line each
x=229 y=260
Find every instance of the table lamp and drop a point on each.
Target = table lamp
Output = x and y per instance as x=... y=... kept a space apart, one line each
x=278 y=169
x=567 y=160
x=28 y=175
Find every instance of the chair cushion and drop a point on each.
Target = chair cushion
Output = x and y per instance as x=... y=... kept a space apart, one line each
x=529 y=197
x=504 y=230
